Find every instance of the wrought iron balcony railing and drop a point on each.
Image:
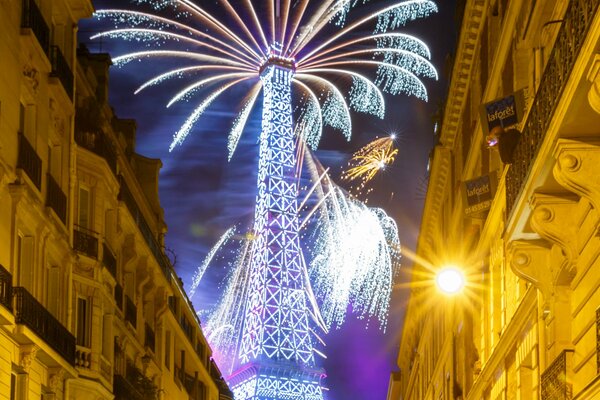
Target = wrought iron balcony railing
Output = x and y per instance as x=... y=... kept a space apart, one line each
x=119 y=296
x=126 y=196
x=98 y=143
x=29 y=312
x=556 y=384
x=61 y=70
x=109 y=260
x=5 y=288
x=56 y=199
x=576 y=23
x=150 y=341
x=29 y=161
x=85 y=241
x=124 y=390
x=32 y=18
x=130 y=311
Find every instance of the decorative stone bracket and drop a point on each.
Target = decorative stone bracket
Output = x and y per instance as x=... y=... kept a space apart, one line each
x=576 y=168
x=554 y=218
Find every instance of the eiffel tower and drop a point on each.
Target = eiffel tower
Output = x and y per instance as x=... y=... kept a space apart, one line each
x=275 y=354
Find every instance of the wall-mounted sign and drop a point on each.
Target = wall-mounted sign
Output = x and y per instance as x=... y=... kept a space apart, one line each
x=502 y=112
x=478 y=193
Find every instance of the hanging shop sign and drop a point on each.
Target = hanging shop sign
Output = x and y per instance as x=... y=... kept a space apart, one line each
x=478 y=193
x=503 y=112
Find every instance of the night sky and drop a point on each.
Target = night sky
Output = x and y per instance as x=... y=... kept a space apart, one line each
x=203 y=194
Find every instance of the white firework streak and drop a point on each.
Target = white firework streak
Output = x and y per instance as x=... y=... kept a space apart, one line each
x=209 y=257
x=185 y=130
x=240 y=122
x=225 y=321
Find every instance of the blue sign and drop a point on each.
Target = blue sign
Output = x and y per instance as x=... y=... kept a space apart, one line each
x=502 y=112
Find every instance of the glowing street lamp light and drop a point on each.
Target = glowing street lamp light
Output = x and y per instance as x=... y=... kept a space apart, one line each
x=450 y=280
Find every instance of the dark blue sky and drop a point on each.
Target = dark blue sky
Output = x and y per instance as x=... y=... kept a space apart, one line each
x=203 y=194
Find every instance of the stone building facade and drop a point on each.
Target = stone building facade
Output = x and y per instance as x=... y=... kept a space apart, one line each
x=521 y=217
x=90 y=306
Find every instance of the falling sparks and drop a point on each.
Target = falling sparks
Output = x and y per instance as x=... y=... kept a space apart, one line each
x=368 y=161
x=209 y=257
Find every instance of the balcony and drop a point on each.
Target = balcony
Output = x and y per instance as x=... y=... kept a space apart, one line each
x=5 y=288
x=572 y=34
x=130 y=311
x=61 y=70
x=29 y=161
x=29 y=312
x=85 y=241
x=56 y=199
x=124 y=390
x=83 y=357
x=119 y=296
x=150 y=341
x=109 y=260
x=89 y=136
x=556 y=379
x=32 y=18
x=126 y=197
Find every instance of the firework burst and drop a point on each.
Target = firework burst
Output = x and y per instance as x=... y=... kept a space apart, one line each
x=217 y=57
x=370 y=160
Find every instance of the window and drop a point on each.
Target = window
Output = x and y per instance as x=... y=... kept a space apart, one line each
x=53 y=291
x=18 y=380
x=27 y=122
x=55 y=162
x=83 y=325
x=84 y=218
x=13 y=387
x=168 y=350
x=25 y=252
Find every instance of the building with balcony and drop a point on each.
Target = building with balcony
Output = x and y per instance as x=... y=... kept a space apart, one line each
x=90 y=305
x=513 y=197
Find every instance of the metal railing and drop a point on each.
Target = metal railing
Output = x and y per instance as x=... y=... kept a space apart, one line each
x=98 y=143
x=29 y=312
x=29 y=161
x=85 y=241
x=124 y=390
x=56 y=199
x=126 y=196
x=61 y=70
x=5 y=288
x=109 y=260
x=555 y=382
x=572 y=34
x=32 y=18
x=130 y=311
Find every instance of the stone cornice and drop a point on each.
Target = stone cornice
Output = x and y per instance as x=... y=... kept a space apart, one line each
x=472 y=25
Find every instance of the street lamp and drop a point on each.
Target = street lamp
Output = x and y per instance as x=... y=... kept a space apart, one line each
x=450 y=280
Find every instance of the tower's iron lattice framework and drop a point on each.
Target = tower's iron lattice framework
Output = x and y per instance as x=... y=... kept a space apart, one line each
x=275 y=354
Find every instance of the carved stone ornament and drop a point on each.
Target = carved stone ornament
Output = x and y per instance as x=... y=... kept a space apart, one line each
x=554 y=218
x=31 y=75
x=576 y=168
x=28 y=356
x=529 y=260
x=593 y=76
x=56 y=380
